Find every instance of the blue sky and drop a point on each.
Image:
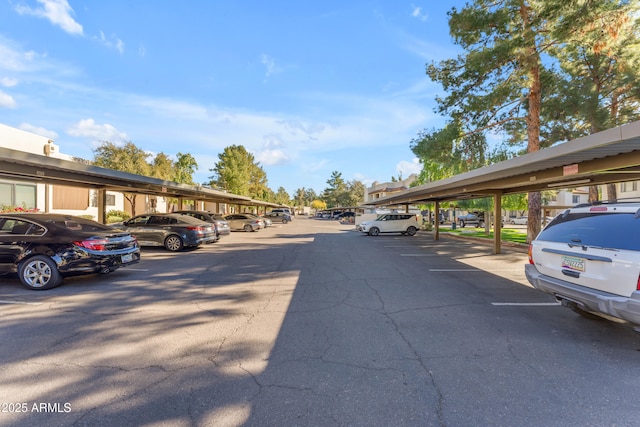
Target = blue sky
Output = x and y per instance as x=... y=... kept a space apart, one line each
x=307 y=87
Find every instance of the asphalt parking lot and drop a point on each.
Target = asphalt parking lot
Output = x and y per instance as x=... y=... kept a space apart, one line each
x=312 y=324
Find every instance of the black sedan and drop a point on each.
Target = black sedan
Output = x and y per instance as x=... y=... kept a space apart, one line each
x=43 y=248
x=173 y=231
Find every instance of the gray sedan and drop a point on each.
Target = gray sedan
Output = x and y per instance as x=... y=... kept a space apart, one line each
x=241 y=221
x=173 y=231
x=278 y=217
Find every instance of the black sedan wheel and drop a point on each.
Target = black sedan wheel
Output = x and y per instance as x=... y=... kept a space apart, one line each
x=173 y=243
x=284 y=221
x=39 y=273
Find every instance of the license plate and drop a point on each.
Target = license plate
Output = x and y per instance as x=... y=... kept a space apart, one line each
x=127 y=258
x=573 y=263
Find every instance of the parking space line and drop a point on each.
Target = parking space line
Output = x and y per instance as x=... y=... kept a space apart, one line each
x=20 y=302
x=527 y=304
x=420 y=255
x=454 y=269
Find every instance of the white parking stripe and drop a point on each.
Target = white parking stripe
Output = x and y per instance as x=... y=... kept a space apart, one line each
x=19 y=302
x=527 y=304
x=420 y=255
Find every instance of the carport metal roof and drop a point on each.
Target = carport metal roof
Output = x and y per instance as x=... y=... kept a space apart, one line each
x=19 y=165
x=605 y=157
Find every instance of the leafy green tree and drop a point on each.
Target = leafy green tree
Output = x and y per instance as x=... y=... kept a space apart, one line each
x=354 y=194
x=239 y=173
x=309 y=196
x=162 y=167
x=334 y=195
x=299 y=199
x=496 y=84
x=447 y=152
x=600 y=79
x=282 y=196
x=515 y=202
x=183 y=168
x=126 y=158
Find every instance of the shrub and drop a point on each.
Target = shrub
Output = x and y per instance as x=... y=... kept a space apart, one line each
x=117 y=216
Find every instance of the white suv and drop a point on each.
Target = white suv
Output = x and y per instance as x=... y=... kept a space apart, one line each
x=391 y=223
x=589 y=258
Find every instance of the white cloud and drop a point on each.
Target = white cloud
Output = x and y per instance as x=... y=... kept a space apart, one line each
x=7 y=101
x=38 y=130
x=58 y=12
x=8 y=82
x=13 y=60
x=272 y=157
x=363 y=179
x=417 y=13
x=407 y=168
x=89 y=128
x=270 y=65
x=111 y=42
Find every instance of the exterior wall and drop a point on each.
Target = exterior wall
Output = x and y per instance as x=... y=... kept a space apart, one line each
x=49 y=195
x=625 y=190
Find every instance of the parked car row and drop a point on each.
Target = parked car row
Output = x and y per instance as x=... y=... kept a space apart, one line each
x=339 y=215
x=44 y=248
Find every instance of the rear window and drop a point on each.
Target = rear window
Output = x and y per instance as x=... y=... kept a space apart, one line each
x=618 y=231
x=78 y=224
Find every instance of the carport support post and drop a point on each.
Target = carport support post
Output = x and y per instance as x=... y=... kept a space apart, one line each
x=436 y=221
x=102 y=206
x=497 y=222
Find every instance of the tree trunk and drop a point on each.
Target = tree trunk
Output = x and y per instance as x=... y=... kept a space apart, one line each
x=593 y=194
x=612 y=193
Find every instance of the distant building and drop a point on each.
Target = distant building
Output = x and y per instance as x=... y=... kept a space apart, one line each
x=380 y=190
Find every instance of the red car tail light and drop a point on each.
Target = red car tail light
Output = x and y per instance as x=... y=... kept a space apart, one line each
x=530 y=253
x=638 y=286
x=196 y=228
x=93 y=244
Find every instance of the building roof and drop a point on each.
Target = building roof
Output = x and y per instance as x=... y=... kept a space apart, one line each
x=605 y=157
x=22 y=166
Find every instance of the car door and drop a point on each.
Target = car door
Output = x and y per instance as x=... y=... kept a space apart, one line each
x=235 y=223
x=138 y=226
x=16 y=235
x=386 y=223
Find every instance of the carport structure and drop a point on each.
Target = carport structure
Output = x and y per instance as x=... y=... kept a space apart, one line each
x=22 y=166
x=601 y=158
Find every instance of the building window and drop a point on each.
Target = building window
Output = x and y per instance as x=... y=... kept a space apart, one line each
x=575 y=199
x=110 y=199
x=21 y=195
x=628 y=186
